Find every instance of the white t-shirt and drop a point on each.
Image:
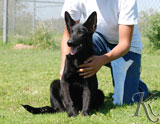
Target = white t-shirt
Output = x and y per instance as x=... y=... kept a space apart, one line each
x=110 y=13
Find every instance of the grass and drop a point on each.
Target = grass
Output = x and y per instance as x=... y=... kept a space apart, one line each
x=25 y=77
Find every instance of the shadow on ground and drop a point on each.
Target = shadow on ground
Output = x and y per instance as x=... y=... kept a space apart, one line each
x=108 y=103
x=153 y=95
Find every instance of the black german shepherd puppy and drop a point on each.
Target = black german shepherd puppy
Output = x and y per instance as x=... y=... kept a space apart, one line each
x=74 y=93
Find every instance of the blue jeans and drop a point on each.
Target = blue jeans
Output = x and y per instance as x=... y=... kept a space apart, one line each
x=125 y=72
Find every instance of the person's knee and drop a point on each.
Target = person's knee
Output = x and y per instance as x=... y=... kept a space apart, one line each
x=99 y=44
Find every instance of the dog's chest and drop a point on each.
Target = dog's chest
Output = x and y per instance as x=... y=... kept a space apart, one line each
x=71 y=73
x=72 y=76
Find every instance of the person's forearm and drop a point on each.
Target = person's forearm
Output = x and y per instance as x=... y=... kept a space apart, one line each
x=64 y=47
x=117 y=52
x=125 y=36
x=64 y=50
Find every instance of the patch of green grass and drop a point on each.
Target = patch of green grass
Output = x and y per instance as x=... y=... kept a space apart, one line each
x=25 y=77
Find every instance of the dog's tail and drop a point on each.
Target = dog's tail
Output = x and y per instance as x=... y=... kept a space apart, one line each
x=40 y=110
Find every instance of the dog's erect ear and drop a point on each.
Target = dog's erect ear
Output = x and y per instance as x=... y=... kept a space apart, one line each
x=91 y=22
x=69 y=21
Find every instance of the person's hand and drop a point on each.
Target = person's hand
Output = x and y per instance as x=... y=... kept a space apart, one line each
x=91 y=66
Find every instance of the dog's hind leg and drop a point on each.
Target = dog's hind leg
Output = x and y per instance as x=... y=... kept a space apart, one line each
x=55 y=96
x=98 y=101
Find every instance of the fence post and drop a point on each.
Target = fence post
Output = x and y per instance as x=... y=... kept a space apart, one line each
x=34 y=16
x=14 y=17
x=5 y=22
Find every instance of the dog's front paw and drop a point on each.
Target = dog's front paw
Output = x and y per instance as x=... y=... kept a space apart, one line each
x=84 y=113
x=72 y=113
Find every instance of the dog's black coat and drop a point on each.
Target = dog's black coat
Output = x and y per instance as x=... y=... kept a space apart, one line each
x=74 y=93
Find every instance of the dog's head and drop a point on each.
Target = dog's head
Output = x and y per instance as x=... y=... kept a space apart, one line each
x=79 y=33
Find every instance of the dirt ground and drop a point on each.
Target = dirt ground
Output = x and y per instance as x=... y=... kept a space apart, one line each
x=22 y=46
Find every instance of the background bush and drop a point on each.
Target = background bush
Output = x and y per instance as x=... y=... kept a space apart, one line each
x=43 y=38
x=150 y=27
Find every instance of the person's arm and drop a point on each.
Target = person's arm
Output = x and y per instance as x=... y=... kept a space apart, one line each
x=125 y=37
x=64 y=49
x=93 y=64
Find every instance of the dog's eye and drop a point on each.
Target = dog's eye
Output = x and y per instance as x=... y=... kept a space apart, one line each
x=80 y=32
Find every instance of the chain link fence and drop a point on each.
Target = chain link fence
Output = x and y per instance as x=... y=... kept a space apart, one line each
x=24 y=16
